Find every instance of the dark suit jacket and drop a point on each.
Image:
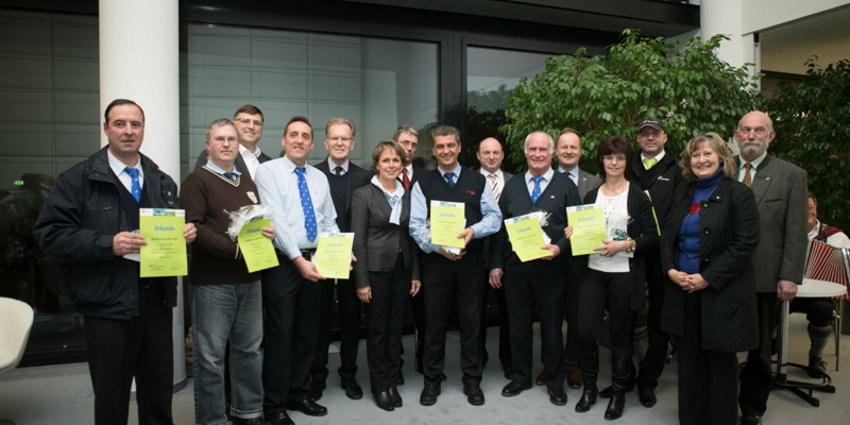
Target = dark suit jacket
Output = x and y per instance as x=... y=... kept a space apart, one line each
x=660 y=181
x=587 y=182
x=729 y=233
x=780 y=190
x=377 y=243
x=515 y=201
x=642 y=228
x=357 y=177
x=239 y=163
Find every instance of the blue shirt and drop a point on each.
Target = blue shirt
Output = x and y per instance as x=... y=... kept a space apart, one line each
x=278 y=186
x=491 y=220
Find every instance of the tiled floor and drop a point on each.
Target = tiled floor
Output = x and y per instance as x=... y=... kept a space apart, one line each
x=62 y=395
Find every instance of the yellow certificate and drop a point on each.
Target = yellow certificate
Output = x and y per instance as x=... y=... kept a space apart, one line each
x=588 y=228
x=333 y=255
x=164 y=254
x=257 y=250
x=447 y=220
x=526 y=237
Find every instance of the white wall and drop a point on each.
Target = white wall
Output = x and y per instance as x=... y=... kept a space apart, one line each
x=762 y=14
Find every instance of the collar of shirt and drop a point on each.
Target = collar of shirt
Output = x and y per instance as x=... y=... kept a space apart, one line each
x=756 y=162
x=332 y=166
x=572 y=174
x=498 y=173
x=248 y=154
x=456 y=171
x=117 y=167
x=220 y=171
x=547 y=177
x=657 y=157
x=815 y=230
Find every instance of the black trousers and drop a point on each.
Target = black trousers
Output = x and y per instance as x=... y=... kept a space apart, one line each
x=571 y=315
x=119 y=350
x=417 y=303
x=756 y=378
x=525 y=294
x=452 y=286
x=291 y=329
x=708 y=380
x=818 y=310
x=600 y=291
x=504 y=323
x=652 y=364
x=349 y=328
x=385 y=322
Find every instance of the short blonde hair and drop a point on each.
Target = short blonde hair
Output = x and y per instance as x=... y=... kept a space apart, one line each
x=718 y=145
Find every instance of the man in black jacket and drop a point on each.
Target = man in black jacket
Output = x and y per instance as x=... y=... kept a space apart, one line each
x=249 y=125
x=536 y=285
x=88 y=223
x=343 y=178
x=657 y=172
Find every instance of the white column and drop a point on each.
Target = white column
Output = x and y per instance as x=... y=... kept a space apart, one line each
x=139 y=52
x=726 y=17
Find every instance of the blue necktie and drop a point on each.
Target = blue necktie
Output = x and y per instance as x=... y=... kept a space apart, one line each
x=306 y=205
x=135 y=187
x=535 y=193
x=450 y=179
x=231 y=176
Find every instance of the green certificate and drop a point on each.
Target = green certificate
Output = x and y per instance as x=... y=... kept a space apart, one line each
x=526 y=237
x=333 y=255
x=164 y=254
x=588 y=228
x=257 y=250
x=447 y=221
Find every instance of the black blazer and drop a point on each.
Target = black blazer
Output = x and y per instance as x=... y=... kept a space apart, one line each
x=239 y=163
x=660 y=181
x=642 y=229
x=357 y=178
x=515 y=201
x=729 y=233
x=377 y=243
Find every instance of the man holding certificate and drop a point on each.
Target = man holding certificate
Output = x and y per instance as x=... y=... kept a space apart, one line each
x=226 y=297
x=542 y=196
x=300 y=197
x=89 y=223
x=454 y=205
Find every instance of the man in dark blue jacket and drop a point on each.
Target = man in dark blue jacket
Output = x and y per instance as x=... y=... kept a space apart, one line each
x=88 y=224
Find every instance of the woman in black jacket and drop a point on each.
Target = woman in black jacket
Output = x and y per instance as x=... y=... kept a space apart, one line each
x=709 y=303
x=615 y=278
x=387 y=268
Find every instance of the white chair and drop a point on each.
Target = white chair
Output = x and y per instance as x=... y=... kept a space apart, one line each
x=16 y=319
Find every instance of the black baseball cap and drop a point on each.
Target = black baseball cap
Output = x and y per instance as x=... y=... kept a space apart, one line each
x=655 y=125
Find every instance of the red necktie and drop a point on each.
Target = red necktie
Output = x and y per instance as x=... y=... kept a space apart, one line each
x=405 y=180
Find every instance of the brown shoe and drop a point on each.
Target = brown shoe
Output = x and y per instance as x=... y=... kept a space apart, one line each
x=574 y=379
x=541 y=379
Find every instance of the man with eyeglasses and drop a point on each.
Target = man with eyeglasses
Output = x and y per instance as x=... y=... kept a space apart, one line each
x=249 y=123
x=343 y=178
x=781 y=191
x=657 y=172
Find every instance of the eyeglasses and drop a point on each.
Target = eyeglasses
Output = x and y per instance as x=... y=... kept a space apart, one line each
x=339 y=139
x=249 y=121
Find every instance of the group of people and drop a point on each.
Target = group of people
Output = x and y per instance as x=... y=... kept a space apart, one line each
x=708 y=243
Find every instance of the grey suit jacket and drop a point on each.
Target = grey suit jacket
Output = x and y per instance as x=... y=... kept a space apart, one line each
x=587 y=182
x=780 y=189
x=377 y=243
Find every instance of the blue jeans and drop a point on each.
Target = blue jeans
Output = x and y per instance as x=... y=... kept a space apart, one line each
x=221 y=313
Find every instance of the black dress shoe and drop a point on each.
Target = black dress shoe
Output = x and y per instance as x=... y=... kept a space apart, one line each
x=384 y=401
x=279 y=418
x=646 y=396
x=307 y=407
x=751 y=419
x=557 y=396
x=315 y=391
x=352 y=389
x=429 y=394
x=588 y=398
x=473 y=392
x=615 y=406
x=395 y=396
x=514 y=388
